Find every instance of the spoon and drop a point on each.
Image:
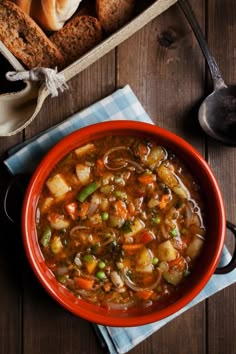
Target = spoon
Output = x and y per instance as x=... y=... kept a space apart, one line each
x=217 y=113
x=19 y=108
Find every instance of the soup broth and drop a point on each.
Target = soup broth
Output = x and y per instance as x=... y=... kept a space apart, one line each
x=120 y=222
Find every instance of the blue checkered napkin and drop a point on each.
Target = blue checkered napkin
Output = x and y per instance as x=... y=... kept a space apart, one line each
x=121 y=105
x=23 y=158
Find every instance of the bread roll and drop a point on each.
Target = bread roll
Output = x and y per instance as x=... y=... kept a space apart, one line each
x=25 y=39
x=113 y=14
x=49 y=14
x=80 y=34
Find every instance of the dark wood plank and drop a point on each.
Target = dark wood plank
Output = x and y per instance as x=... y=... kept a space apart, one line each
x=222 y=39
x=164 y=66
x=10 y=268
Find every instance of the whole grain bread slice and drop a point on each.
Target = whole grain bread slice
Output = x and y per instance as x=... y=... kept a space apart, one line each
x=24 y=38
x=80 y=34
x=113 y=14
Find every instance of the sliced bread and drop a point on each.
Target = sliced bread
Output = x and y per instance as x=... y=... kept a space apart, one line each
x=80 y=34
x=113 y=14
x=23 y=37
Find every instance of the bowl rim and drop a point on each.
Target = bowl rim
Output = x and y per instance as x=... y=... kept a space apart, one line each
x=54 y=155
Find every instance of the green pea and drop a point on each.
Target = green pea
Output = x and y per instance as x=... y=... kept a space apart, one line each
x=101 y=265
x=157 y=220
x=101 y=275
x=154 y=260
x=174 y=232
x=88 y=258
x=105 y=216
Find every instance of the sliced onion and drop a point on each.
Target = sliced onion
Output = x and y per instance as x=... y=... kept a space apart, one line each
x=110 y=151
x=164 y=232
x=189 y=214
x=134 y=287
x=138 y=167
x=76 y=228
x=123 y=161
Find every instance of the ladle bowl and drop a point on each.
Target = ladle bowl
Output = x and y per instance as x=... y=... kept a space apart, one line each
x=217 y=113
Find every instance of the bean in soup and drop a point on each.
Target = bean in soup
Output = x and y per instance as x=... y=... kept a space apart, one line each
x=120 y=222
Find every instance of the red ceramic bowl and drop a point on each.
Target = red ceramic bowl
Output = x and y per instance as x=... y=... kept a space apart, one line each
x=215 y=223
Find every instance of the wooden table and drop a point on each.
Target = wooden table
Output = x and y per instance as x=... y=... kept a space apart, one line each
x=165 y=67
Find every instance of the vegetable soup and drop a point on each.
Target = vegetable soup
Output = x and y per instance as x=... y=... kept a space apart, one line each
x=120 y=222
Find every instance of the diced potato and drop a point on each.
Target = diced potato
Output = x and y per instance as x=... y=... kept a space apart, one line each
x=172 y=181
x=173 y=277
x=116 y=221
x=56 y=245
x=167 y=176
x=57 y=185
x=46 y=204
x=156 y=155
x=144 y=257
x=84 y=149
x=194 y=248
x=95 y=219
x=83 y=173
x=58 y=221
x=166 y=251
x=137 y=226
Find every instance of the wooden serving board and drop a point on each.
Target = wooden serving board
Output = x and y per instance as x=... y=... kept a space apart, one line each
x=20 y=119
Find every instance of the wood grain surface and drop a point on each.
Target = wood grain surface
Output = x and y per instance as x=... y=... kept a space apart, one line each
x=165 y=68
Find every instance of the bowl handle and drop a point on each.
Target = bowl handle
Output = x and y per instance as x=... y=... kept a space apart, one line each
x=12 y=196
x=232 y=264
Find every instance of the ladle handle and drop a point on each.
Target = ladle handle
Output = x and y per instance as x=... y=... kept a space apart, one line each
x=213 y=67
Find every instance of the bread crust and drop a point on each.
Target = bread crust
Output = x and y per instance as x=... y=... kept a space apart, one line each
x=113 y=14
x=51 y=15
x=79 y=35
x=23 y=37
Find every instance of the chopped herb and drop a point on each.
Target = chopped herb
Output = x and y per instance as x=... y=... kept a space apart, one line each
x=126 y=227
x=88 y=258
x=95 y=247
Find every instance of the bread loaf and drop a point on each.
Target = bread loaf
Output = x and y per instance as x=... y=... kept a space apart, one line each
x=113 y=14
x=49 y=14
x=23 y=37
x=78 y=35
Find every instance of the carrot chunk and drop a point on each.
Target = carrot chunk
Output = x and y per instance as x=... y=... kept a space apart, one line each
x=147 y=178
x=84 y=283
x=132 y=247
x=164 y=201
x=144 y=294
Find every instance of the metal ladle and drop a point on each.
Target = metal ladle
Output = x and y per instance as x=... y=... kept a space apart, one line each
x=217 y=113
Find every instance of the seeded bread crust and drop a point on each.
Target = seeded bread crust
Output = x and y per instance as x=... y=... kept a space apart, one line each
x=80 y=34
x=23 y=37
x=113 y=14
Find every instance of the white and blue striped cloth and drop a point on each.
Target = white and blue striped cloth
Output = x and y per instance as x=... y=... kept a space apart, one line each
x=23 y=158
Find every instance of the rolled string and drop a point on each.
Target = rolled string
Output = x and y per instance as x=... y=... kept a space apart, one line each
x=53 y=80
